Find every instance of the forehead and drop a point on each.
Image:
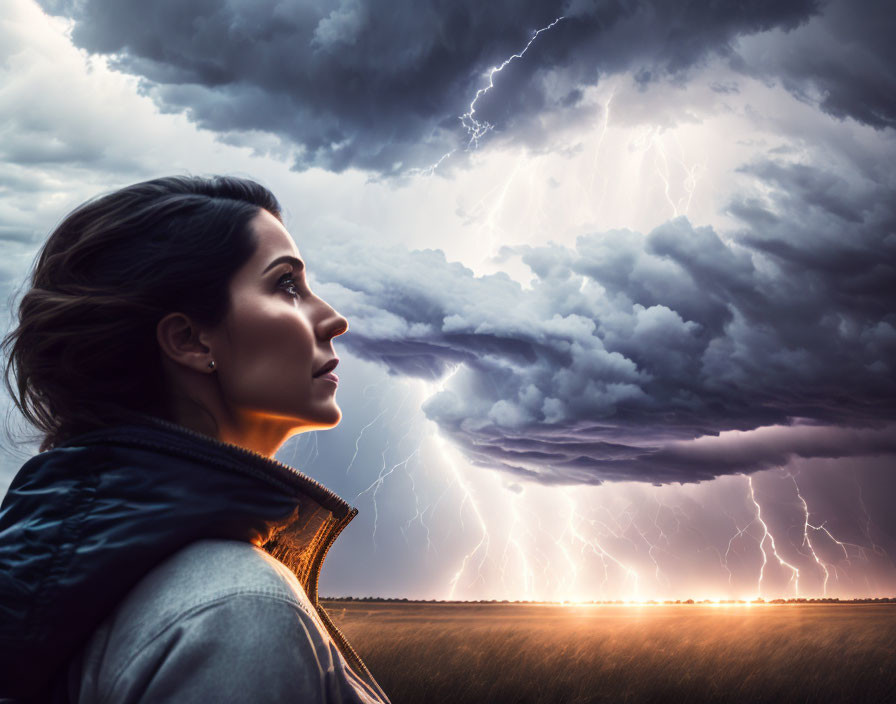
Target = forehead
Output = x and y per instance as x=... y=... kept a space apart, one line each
x=271 y=239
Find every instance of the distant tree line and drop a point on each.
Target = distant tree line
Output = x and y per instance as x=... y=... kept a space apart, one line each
x=798 y=600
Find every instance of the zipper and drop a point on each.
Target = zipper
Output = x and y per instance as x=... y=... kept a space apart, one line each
x=341 y=641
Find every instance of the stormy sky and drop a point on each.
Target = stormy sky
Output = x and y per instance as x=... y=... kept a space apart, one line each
x=620 y=276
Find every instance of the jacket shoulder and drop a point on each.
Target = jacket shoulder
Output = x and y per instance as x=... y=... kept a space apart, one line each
x=217 y=618
x=201 y=572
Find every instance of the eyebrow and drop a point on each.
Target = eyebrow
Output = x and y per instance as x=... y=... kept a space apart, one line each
x=298 y=264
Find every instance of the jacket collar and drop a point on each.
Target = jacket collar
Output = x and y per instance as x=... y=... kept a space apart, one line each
x=82 y=523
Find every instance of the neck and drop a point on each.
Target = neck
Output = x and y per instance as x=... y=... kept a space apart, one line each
x=262 y=434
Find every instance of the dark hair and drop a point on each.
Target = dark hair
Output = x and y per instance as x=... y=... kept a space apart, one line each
x=84 y=354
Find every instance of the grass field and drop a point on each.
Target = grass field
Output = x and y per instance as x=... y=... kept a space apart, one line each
x=506 y=653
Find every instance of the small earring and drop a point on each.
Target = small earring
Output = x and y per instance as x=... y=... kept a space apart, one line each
x=211 y=365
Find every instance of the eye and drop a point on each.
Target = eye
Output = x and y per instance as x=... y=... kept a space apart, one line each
x=288 y=283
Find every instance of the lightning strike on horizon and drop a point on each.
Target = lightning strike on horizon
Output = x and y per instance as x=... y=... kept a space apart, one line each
x=484 y=540
x=842 y=545
x=651 y=547
x=767 y=534
x=658 y=571
x=545 y=561
x=807 y=541
x=557 y=561
x=468 y=498
x=528 y=576
x=738 y=533
x=594 y=545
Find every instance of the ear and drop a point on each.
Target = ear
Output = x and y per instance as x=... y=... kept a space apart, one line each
x=180 y=341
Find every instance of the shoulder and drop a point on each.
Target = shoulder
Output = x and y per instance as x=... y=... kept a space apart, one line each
x=207 y=569
x=205 y=572
x=225 y=605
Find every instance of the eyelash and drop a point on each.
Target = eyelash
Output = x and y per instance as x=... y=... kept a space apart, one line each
x=286 y=282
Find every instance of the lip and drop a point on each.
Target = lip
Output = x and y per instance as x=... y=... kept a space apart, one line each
x=325 y=370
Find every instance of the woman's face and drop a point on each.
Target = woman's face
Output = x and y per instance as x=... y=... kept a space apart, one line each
x=276 y=339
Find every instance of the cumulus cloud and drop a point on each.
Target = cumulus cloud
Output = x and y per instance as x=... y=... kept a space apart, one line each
x=628 y=346
x=380 y=86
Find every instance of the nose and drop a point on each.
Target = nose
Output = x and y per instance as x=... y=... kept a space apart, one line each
x=330 y=324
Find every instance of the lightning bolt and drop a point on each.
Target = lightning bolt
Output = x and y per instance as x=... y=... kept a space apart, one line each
x=661 y=576
x=431 y=169
x=661 y=164
x=378 y=482
x=691 y=177
x=607 y=543
x=491 y=220
x=739 y=533
x=468 y=497
x=653 y=141
x=807 y=540
x=600 y=141
x=527 y=574
x=312 y=452
x=475 y=128
x=358 y=439
x=545 y=560
x=484 y=539
x=418 y=516
x=594 y=545
x=377 y=485
x=795 y=577
x=842 y=545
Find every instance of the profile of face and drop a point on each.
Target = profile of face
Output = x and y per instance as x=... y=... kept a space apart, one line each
x=273 y=350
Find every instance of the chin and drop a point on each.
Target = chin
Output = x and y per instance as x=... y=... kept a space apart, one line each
x=333 y=421
x=324 y=419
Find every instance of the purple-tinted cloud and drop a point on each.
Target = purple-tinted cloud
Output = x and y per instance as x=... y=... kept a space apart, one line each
x=628 y=344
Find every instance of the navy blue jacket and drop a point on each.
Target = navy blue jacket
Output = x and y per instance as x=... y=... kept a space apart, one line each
x=83 y=523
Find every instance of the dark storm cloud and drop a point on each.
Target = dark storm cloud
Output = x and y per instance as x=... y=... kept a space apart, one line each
x=842 y=59
x=629 y=346
x=380 y=86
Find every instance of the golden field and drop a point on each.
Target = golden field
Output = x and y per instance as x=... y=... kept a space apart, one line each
x=506 y=653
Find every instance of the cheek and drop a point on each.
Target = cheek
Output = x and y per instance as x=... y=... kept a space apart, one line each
x=271 y=349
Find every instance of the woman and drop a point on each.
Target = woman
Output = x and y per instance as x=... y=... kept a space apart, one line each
x=154 y=550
